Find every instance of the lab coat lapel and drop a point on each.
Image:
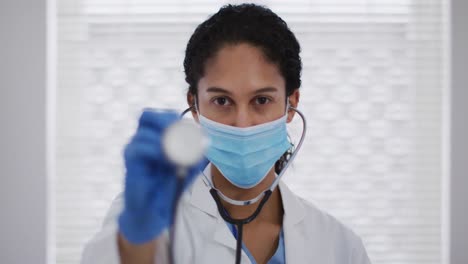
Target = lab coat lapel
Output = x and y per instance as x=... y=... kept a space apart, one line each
x=202 y=199
x=200 y=194
x=294 y=237
x=223 y=235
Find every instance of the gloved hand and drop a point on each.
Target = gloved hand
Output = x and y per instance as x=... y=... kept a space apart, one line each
x=150 y=180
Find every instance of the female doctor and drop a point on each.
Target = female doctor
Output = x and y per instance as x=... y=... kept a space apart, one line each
x=243 y=69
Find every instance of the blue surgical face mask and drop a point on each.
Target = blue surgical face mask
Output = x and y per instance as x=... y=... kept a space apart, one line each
x=245 y=155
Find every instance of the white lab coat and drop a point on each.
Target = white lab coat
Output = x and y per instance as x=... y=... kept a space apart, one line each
x=202 y=236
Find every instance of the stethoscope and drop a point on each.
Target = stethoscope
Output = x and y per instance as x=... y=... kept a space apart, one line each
x=172 y=145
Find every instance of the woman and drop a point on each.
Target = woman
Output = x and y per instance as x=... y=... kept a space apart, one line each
x=243 y=69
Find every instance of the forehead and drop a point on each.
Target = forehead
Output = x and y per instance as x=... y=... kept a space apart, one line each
x=241 y=68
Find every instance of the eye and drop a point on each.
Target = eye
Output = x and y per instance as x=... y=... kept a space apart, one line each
x=262 y=100
x=223 y=101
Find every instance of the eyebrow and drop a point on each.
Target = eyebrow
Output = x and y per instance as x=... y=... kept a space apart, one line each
x=261 y=90
x=266 y=90
x=217 y=90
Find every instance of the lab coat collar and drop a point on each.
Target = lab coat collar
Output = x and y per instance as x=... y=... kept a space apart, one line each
x=294 y=213
x=200 y=194
x=202 y=199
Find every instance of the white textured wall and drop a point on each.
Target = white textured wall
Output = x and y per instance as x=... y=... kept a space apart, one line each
x=23 y=131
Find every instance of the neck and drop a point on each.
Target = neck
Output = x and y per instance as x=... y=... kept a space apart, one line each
x=273 y=209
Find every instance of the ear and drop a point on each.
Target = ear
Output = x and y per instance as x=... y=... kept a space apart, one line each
x=293 y=101
x=191 y=103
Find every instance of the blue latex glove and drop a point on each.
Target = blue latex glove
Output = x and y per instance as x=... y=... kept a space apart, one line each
x=150 y=180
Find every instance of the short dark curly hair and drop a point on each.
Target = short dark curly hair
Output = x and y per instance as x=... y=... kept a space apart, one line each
x=244 y=23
